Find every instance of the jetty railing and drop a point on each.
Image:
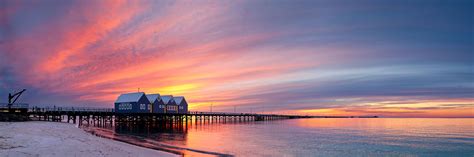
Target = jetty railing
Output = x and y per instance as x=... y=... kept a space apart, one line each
x=236 y=114
x=101 y=116
x=15 y=105
x=71 y=109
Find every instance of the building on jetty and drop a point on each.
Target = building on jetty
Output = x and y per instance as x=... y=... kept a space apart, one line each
x=182 y=104
x=157 y=104
x=140 y=102
x=133 y=103
x=171 y=106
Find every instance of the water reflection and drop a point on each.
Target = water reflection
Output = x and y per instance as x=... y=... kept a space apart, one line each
x=169 y=137
x=436 y=127
x=307 y=137
x=174 y=134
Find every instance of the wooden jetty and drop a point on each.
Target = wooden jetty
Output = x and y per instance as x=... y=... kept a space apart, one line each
x=105 y=116
x=13 y=112
x=21 y=112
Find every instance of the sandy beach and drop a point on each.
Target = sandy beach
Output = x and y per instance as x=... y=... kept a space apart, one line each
x=62 y=139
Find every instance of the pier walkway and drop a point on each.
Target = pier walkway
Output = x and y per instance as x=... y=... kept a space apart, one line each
x=105 y=116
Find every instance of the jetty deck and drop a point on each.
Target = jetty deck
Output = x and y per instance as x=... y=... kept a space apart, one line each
x=104 y=116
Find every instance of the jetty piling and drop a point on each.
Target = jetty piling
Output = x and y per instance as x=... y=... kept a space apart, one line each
x=107 y=116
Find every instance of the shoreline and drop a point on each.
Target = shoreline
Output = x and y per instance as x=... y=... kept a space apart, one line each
x=38 y=138
x=146 y=143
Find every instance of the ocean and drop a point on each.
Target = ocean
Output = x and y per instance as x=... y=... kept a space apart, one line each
x=311 y=137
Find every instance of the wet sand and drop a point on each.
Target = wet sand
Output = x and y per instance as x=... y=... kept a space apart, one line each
x=62 y=139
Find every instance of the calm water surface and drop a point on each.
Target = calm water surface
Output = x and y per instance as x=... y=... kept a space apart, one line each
x=323 y=137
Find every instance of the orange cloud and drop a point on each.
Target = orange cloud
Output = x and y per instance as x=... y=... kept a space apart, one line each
x=96 y=51
x=419 y=108
x=81 y=35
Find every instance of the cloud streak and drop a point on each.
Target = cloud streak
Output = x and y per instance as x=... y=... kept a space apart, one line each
x=308 y=57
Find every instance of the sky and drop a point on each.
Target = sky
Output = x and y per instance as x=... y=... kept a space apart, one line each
x=401 y=58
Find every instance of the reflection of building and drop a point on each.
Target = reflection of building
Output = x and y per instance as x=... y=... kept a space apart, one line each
x=182 y=104
x=176 y=134
x=157 y=104
x=133 y=103
x=150 y=103
x=171 y=106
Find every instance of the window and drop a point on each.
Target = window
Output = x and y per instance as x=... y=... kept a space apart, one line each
x=142 y=107
x=172 y=108
x=124 y=106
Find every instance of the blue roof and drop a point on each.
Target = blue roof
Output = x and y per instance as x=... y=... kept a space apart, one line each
x=153 y=97
x=129 y=97
x=166 y=98
x=178 y=99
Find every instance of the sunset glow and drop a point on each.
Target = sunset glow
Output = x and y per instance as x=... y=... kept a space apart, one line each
x=309 y=58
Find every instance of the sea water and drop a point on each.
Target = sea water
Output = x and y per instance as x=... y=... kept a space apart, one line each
x=319 y=137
